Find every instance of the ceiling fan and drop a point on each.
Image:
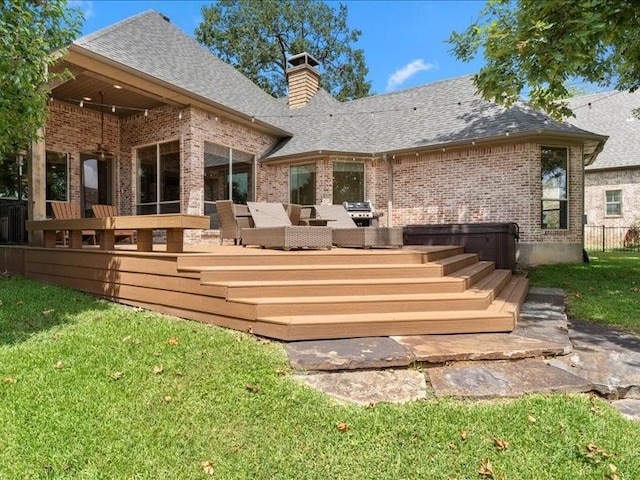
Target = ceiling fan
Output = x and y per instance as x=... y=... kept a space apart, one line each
x=102 y=152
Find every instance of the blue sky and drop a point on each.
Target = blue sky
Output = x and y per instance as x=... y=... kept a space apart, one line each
x=403 y=41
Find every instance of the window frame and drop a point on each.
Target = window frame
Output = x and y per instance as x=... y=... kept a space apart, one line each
x=561 y=200
x=364 y=178
x=607 y=203
x=314 y=165
x=158 y=193
x=67 y=175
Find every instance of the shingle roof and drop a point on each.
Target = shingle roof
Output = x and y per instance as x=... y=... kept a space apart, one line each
x=610 y=113
x=439 y=113
x=150 y=44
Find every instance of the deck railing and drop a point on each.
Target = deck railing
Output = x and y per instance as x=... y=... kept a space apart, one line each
x=599 y=238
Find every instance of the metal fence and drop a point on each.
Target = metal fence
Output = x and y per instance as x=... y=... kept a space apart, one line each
x=598 y=238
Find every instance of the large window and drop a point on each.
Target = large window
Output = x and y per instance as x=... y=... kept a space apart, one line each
x=57 y=172
x=348 y=182
x=302 y=184
x=159 y=178
x=613 y=203
x=228 y=174
x=554 y=177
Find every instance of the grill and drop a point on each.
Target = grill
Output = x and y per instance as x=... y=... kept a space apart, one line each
x=361 y=212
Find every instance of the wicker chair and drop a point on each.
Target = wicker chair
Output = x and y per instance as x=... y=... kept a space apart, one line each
x=67 y=210
x=273 y=229
x=347 y=234
x=232 y=219
x=101 y=211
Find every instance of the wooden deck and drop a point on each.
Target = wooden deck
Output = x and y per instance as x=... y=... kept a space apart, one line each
x=293 y=295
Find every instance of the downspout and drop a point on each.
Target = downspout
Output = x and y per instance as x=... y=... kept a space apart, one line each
x=389 y=190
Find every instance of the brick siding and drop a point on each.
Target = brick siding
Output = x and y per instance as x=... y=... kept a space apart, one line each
x=598 y=182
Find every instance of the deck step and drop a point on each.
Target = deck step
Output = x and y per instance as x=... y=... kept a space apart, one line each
x=253 y=257
x=336 y=287
x=431 y=253
x=322 y=272
x=473 y=273
x=304 y=327
x=334 y=305
x=456 y=262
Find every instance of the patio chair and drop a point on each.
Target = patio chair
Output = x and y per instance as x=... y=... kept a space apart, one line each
x=68 y=210
x=101 y=211
x=347 y=234
x=273 y=229
x=232 y=219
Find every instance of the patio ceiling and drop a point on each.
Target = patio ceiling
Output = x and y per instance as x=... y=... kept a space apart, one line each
x=88 y=85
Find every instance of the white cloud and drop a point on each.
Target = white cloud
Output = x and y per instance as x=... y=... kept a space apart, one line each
x=85 y=5
x=403 y=74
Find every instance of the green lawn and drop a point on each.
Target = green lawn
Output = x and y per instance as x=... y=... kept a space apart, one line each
x=606 y=290
x=90 y=389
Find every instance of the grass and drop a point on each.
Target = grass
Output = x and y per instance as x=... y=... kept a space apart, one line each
x=606 y=290
x=90 y=389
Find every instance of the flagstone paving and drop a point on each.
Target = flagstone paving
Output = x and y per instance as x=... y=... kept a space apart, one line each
x=545 y=353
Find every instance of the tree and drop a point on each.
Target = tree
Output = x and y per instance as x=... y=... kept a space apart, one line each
x=257 y=37
x=543 y=45
x=32 y=37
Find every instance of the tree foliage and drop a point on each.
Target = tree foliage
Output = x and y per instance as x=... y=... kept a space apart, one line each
x=543 y=45
x=257 y=37
x=32 y=34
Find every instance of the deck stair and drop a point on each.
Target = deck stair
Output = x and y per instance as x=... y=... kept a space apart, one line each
x=320 y=295
x=300 y=294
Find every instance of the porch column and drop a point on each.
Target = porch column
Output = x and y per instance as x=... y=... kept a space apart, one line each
x=37 y=186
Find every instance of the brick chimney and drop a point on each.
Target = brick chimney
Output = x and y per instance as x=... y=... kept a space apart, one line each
x=303 y=79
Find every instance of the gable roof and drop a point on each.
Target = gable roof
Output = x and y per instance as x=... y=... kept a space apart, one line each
x=437 y=114
x=610 y=113
x=150 y=44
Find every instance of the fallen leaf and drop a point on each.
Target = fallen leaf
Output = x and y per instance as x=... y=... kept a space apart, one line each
x=531 y=419
x=486 y=469
x=116 y=375
x=157 y=354
x=127 y=338
x=500 y=444
x=250 y=330
x=136 y=341
x=19 y=302
x=252 y=388
x=613 y=468
x=343 y=427
x=158 y=369
x=173 y=341
x=452 y=446
x=463 y=434
x=10 y=380
x=59 y=365
x=168 y=398
x=207 y=467
x=48 y=312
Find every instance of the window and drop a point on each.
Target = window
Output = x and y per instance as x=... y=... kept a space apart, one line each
x=228 y=174
x=57 y=173
x=613 y=203
x=159 y=178
x=554 y=188
x=302 y=184
x=348 y=182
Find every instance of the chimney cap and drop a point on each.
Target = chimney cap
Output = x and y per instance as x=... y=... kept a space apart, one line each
x=303 y=58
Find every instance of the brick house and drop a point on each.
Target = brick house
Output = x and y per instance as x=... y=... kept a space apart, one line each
x=154 y=123
x=612 y=182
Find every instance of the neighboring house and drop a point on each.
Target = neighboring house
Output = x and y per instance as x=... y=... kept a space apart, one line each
x=153 y=122
x=612 y=182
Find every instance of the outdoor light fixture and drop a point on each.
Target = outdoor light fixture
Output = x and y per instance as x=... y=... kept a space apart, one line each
x=118 y=87
x=146 y=112
x=113 y=109
x=81 y=103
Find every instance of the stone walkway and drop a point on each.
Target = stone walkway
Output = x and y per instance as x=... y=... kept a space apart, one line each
x=546 y=353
